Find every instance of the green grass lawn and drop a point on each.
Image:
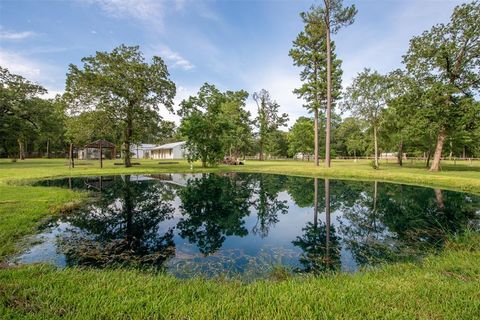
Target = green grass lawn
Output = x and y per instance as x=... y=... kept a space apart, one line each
x=446 y=286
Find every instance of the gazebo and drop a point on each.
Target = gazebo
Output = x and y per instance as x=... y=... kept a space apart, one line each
x=102 y=144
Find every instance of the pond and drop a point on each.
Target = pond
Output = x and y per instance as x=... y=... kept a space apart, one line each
x=246 y=225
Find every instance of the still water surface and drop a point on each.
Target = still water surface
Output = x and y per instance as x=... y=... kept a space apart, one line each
x=240 y=224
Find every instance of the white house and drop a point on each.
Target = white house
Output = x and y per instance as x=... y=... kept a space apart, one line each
x=173 y=150
x=142 y=150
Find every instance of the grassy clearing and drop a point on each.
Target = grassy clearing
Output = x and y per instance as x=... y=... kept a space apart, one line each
x=460 y=176
x=442 y=287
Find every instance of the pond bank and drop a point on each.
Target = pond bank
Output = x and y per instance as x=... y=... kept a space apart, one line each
x=442 y=287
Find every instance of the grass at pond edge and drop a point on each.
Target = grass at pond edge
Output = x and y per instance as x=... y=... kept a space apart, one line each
x=444 y=286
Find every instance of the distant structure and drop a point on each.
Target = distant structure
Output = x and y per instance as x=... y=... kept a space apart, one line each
x=391 y=155
x=173 y=150
x=141 y=151
x=92 y=150
x=138 y=151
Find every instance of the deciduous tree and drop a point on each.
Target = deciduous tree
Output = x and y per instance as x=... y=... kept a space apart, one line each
x=366 y=98
x=268 y=119
x=122 y=84
x=446 y=59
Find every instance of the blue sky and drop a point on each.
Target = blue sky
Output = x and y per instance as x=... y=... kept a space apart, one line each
x=232 y=44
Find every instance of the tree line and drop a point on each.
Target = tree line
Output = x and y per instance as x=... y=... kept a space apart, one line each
x=428 y=108
x=429 y=104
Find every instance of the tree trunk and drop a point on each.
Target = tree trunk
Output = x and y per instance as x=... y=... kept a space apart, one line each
x=400 y=154
x=204 y=161
x=260 y=155
x=101 y=156
x=327 y=219
x=70 y=156
x=48 y=148
x=128 y=136
x=315 y=202
x=315 y=126
x=128 y=210
x=21 y=149
x=329 y=88
x=464 y=154
x=375 y=140
x=439 y=199
x=374 y=211
x=429 y=155
x=437 y=156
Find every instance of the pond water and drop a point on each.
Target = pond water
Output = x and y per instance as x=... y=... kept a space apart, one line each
x=240 y=224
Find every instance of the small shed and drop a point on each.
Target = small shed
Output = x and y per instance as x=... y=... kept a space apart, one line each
x=173 y=150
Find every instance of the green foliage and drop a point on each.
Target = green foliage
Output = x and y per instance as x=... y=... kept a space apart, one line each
x=445 y=61
x=25 y=117
x=89 y=126
x=238 y=139
x=309 y=53
x=215 y=124
x=366 y=98
x=278 y=144
x=127 y=89
x=268 y=120
x=300 y=137
x=351 y=138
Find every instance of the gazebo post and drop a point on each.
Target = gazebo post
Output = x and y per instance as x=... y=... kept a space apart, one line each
x=101 y=160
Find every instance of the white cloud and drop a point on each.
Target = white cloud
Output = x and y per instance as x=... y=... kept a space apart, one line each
x=141 y=9
x=47 y=75
x=18 y=65
x=52 y=93
x=148 y=11
x=174 y=59
x=280 y=82
x=182 y=94
x=10 y=35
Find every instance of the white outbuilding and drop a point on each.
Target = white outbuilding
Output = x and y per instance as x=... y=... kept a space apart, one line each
x=141 y=150
x=174 y=150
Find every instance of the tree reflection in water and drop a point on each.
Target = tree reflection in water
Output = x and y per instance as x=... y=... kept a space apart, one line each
x=213 y=207
x=122 y=227
x=319 y=242
x=132 y=223
x=389 y=223
x=267 y=204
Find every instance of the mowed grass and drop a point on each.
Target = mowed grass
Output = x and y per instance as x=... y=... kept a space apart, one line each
x=459 y=175
x=443 y=287
x=446 y=286
x=23 y=208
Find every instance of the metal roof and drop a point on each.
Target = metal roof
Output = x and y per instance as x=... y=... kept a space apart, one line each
x=146 y=146
x=100 y=143
x=170 y=145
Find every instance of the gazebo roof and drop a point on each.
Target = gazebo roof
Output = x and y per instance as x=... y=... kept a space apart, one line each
x=100 y=143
